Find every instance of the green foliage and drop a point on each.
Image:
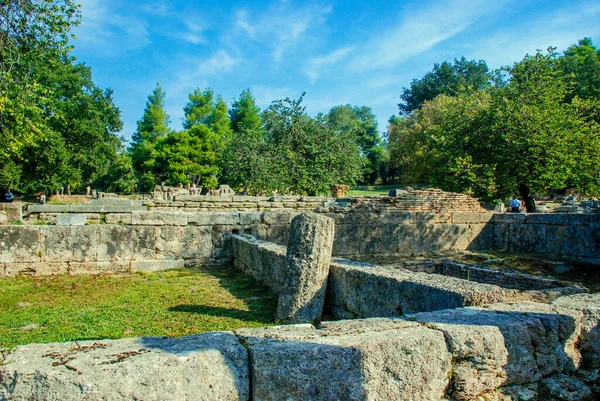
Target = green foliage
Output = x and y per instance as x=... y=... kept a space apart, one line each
x=581 y=68
x=307 y=155
x=151 y=129
x=57 y=128
x=361 y=123
x=529 y=135
x=463 y=76
x=244 y=113
x=199 y=109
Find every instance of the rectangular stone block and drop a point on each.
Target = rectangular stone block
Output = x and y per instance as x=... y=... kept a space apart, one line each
x=196 y=243
x=21 y=244
x=118 y=218
x=156 y=265
x=471 y=218
x=70 y=219
x=94 y=268
x=159 y=218
x=14 y=210
x=348 y=360
x=168 y=244
x=48 y=208
x=509 y=217
x=36 y=268
x=250 y=217
x=119 y=243
x=70 y=244
x=214 y=218
x=547 y=218
x=277 y=217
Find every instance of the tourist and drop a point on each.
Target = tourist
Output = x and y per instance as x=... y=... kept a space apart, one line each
x=515 y=205
x=42 y=198
x=88 y=190
x=8 y=196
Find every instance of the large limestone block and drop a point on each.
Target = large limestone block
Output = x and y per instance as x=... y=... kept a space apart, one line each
x=117 y=243
x=14 y=211
x=20 y=244
x=585 y=307
x=302 y=295
x=70 y=244
x=71 y=219
x=489 y=349
x=371 y=359
x=209 y=366
x=159 y=218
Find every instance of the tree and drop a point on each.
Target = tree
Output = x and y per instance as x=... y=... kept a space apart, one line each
x=245 y=158
x=57 y=127
x=199 y=108
x=244 y=113
x=361 y=123
x=580 y=65
x=462 y=76
x=538 y=134
x=308 y=156
x=153 y=127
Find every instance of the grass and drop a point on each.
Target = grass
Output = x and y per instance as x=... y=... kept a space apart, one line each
x=170 y=303
x=374 y=190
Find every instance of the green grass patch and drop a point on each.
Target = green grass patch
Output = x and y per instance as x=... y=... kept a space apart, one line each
x=170 y=303
x=372 y=190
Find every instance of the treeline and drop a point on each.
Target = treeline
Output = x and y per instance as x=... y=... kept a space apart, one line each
x=280 y=149
x=530 y=127
x=57 y=129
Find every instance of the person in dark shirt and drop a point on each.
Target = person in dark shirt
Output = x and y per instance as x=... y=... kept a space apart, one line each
x=8 y=196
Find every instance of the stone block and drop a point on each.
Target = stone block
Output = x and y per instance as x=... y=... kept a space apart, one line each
x=509 y=218
x=277 y=217
x=120 y=243
x=586 y=309
x=118 y=218
x=21 y=244
x=308 y=258
x=348 y=360
x=347 y=242
x=94 y=268
x=214 y=218
x=250 y=218
x=70 y=244
x=156 y=265
x=168 y=244
x=471 y=218
x=159 y=218
x=48 y=208
x=196 y=243
x=36 y=268
x=14 y=211
x=378 y=239
x=70 y=219
x=547 y=219
x=207 y=366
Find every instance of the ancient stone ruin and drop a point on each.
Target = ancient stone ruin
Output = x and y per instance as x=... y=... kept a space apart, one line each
x=427 y=329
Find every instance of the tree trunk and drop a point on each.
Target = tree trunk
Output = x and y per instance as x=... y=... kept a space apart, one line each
x=528 y=198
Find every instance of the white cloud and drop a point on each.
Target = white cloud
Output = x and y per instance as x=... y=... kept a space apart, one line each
x=159 y=8
x=316 y=65
x=560 y=29
x=281 y=27
x=220 y=62
x=420 y=30
x=265 y=95
x=102 y=26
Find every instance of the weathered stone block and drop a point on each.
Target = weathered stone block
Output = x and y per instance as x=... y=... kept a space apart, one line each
x=206 y=367
x=36 y=268
x=250 y=218
x=216 y=218
x=547 y=219
x=159 y=218
x=348 y=360
x=48 y=208
x=302 y=295
x=585 y=307
x=118 y=218
x=20 y=244
x=70 y=244
x=125 y=243
x=70 y=219
x=156 y=265
x=277 y=217
x=471 y=218
x=93 y=268
x=196 y=243
x=14 y=211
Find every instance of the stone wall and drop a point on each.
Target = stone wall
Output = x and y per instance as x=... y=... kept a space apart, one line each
x=561 y=236
x=519 y=351
x=162 y=238
x=364 y=290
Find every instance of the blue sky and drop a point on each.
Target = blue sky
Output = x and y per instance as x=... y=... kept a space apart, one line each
x=338 y=52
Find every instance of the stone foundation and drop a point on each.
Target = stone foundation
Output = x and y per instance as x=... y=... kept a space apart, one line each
x=518 y=351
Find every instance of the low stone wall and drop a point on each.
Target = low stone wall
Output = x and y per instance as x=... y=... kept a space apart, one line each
x=364 y=290
x=520 y=351
x=560 y=236
x=358 y=234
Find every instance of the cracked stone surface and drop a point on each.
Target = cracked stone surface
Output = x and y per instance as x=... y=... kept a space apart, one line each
x=201 y=367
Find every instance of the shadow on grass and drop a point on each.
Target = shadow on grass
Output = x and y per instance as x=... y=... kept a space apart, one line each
x=260 y=302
